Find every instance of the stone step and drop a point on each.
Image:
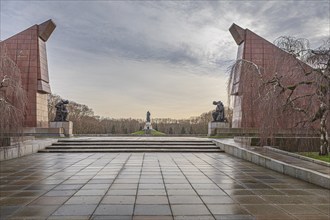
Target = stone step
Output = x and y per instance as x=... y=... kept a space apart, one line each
x=177 y=150
x=130 y=140
x=132 y=143
x=131 y=146
x=135 y=140
x=126 y=145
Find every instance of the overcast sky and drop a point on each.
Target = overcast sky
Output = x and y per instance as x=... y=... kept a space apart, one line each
x=123 y=58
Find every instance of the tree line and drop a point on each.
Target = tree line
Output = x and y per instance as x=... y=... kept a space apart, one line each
x=86 y=122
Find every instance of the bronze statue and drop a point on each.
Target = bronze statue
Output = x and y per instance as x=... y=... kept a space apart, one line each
x=61 y=111
x=219 y=113
x=148 y=116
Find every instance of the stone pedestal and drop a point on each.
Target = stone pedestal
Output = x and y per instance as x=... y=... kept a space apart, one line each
x=213 y=126
x=66 y=125
x=147 y=126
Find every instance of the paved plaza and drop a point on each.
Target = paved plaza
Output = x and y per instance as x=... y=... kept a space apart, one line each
x=153 y=186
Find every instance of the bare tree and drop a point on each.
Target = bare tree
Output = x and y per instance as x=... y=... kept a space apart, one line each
x=317 y=79
x=12 y=98
x=287 y=92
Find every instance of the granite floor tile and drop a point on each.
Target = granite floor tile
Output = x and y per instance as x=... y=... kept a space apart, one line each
x=151 y=186
x=111 y=217
x=205 y=186
x=313 y=199
x=83 y=200
x=75 y=210
x=239 y=192
x=73 y=217
x=248 y=199
x=268 y=210
x=152 y=217
x=7 y=211
x=325 y=208
x=207 y=192
x=295 y=192
x=118 y=200
x=181 y=192
x=126 y=210
x=151 y=192
x=68 y=187
x=228 y=186
x=16 y=201
x=297 y=209
x=35 y=211
x=178 y=186
x=185 y=200
x=95 y=186
x=152 y=200
x=124 y=181
x=217 y=199
x=124 y=186
x=187 y=210
x=27 y=193
x=121 y=192
x=197 y=217
x=50 y=200
x=226 y=209
x=150 y=181
x=234 y=217
x=91 y=192
x=154 y=210
x=311 y=217
x=60 y=193
x=282 y=199
x=41 y=187
x=267 y=192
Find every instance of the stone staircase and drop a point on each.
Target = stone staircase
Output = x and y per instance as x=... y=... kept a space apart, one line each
x=100 y=145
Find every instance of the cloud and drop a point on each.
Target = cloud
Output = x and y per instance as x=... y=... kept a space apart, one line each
x=169 y=55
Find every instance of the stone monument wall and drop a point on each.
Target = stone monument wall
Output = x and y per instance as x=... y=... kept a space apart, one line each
x=28 y=50
x=270 y=59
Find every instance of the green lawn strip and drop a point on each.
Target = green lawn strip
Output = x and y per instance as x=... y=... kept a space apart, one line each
x=138 y=133
x=315 y=155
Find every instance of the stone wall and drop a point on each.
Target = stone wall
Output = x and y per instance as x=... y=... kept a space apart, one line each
x=42 y=110
x=28 y=50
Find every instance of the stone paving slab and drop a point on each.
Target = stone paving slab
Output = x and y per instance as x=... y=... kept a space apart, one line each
x=153 y=186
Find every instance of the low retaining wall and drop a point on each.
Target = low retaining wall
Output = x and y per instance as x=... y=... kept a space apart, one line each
x=323 y=163
x=290 y=144
x=44 y=132
x=276 y=165
x=24 y=148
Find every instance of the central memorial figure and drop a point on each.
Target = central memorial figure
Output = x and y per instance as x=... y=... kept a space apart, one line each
x=147 y=126
x=148 y=116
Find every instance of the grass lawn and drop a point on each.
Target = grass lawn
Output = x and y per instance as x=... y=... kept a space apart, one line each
x=315 y=155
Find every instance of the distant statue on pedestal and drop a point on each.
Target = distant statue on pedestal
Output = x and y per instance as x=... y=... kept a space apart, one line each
x=148 y=116
x=61 y=111
x=148 y=125
x=219 y=113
